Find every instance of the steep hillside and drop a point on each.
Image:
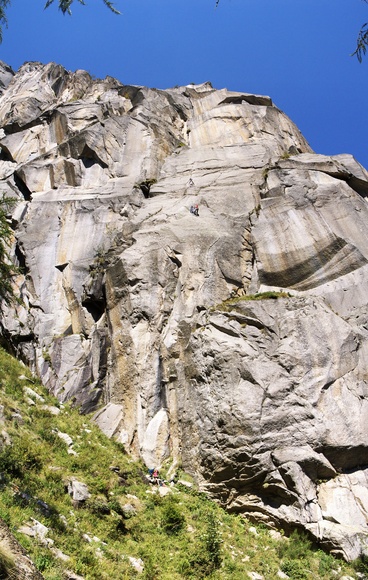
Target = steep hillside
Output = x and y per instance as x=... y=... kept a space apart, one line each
x=137 y=309
x=81 y=507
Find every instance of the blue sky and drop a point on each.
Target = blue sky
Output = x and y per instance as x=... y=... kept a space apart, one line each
x=295 y=51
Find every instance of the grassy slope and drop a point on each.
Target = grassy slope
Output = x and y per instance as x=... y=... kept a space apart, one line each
x=182 y=535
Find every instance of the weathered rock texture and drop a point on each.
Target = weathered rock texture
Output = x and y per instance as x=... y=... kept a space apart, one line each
x=123 y=289
x=21 y=566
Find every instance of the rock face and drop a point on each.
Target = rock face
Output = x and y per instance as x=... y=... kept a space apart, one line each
x=134 y=308
x=20 y=567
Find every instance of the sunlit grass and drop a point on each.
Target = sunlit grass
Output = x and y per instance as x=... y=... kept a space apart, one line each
x=228 y=304
x=183 y=535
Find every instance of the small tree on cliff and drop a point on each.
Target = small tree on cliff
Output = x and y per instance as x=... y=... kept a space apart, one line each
x=7 y=268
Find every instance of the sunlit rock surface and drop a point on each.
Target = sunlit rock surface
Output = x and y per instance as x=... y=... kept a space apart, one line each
x=124 y=289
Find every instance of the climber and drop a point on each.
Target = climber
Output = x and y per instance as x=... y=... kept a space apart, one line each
x=194 y=209
x=173 y=478
x=150 y=475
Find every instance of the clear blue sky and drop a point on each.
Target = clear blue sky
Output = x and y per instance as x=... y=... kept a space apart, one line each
x=295 y=51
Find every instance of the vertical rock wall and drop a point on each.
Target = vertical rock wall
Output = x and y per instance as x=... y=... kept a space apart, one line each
x=135 y=308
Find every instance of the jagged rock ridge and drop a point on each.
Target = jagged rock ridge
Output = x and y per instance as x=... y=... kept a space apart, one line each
x=123 y=289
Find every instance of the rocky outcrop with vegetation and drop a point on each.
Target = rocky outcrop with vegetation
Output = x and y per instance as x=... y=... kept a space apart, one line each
x=75 y=506
x=143 y=313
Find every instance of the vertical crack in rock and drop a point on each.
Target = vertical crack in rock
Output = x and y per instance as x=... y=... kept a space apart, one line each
x=22 y=186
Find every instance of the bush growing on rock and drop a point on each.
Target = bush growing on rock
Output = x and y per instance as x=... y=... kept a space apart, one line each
x=7 y=268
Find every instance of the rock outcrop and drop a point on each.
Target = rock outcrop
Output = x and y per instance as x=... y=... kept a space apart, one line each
x=136 y=309
x=14 y=562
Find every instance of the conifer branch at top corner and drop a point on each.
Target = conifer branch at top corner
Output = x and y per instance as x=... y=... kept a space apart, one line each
x=3 y=18
x=65 y=5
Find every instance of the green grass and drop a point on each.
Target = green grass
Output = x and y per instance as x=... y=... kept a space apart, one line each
x=285 y=155
x=181 y=536
x=226 y=305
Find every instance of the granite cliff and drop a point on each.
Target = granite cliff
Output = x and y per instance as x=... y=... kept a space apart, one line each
x=136 y=309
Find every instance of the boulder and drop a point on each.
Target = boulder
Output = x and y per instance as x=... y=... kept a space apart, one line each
x=65 y=437
x=137 y=564
x=78 y=491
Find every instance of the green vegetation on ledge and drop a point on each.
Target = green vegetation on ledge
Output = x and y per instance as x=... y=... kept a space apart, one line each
x=125 y=523
x=7 y=269
x=230 y=302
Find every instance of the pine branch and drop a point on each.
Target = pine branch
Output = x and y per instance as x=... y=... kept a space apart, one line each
x=362 y=43
x=65 y=5
x=3 y=18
